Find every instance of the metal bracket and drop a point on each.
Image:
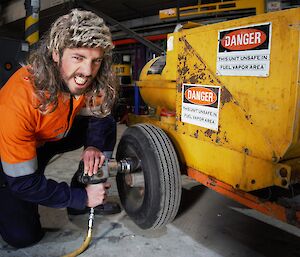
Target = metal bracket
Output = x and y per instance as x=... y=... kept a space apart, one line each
x=282 y=175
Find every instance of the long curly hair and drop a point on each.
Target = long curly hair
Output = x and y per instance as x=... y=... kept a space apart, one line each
x=74 y=30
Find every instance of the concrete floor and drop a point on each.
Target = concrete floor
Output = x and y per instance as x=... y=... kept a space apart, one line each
x=207 y=225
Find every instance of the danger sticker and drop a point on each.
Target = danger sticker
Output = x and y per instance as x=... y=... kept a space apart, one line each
x=200 y=105
x=244 y=51
x=200 y=95
x=243 y=39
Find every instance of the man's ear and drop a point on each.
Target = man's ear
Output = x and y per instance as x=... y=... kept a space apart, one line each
x=55 y=56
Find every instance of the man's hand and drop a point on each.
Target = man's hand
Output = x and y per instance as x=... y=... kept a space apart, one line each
x=93 y=159
x=96 y=194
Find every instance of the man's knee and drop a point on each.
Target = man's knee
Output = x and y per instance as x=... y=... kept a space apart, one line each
x=19 y=239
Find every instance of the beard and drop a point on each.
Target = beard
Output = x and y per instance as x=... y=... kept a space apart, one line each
x=68 y=83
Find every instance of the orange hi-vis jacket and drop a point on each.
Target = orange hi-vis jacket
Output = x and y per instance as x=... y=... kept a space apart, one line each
x=23 y=127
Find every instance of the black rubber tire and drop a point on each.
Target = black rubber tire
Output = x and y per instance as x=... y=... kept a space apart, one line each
x=157 y=203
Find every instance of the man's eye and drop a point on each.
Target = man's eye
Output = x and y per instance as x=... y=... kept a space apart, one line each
x=77 y=58
x=98 y=61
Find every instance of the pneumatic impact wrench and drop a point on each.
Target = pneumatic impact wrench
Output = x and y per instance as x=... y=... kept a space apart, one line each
x=110 y=168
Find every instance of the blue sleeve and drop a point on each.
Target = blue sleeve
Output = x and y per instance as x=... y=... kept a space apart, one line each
x=101 y=133
x=36 y=188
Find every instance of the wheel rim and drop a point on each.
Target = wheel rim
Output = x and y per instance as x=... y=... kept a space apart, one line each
x=132 y=184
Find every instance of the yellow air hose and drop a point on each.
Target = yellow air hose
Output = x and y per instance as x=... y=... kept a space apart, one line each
x=87 y=239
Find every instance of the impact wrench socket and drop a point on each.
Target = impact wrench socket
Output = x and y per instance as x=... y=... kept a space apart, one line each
x=110 y=168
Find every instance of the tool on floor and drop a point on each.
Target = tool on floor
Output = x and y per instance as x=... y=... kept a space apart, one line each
x=110 y=168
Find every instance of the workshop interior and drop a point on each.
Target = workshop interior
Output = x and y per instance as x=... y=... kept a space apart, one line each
x=207 y=89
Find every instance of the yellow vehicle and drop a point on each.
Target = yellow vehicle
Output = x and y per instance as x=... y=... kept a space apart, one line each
x=224 y=108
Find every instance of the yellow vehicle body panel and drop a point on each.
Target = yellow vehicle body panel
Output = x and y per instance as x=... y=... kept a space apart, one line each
x=156 y=93
x=257 y=129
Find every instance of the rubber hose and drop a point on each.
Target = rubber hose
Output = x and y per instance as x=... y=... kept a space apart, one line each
x=83 y=247
x=87 y=239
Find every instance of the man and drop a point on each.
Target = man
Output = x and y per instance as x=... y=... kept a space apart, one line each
x=69 y=72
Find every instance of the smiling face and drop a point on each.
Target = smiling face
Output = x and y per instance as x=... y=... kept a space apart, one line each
x=78 y=67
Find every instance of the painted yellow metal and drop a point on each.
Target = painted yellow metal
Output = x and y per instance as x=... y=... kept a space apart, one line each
x=31 y=22
x=159 y=90
x=258 y=122
x=218 y=6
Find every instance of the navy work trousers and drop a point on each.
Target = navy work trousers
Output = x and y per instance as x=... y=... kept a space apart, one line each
x=19 y=220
